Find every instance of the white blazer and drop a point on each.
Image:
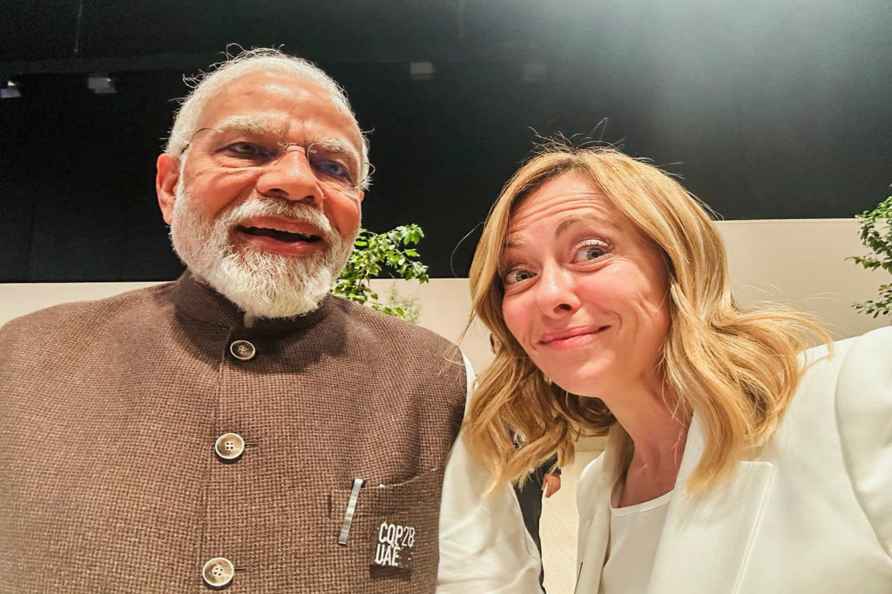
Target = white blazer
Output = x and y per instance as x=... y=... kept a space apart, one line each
x=811 y=513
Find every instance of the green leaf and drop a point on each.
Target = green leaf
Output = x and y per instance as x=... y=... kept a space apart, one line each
x=378 y=254
x=876 y=234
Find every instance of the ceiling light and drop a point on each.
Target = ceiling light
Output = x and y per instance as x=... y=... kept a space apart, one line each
x=10 y=90
x=101 y=84
x=422 y=70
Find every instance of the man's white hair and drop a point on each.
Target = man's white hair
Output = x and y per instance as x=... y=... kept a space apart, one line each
x=206 y=85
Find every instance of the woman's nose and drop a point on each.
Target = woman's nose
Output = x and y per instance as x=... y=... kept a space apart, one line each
x=556 y=292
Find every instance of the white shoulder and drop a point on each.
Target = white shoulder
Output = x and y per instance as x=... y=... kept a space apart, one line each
x=864 y=410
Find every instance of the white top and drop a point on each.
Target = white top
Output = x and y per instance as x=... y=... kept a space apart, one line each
x=808 y=512
x=634 y=535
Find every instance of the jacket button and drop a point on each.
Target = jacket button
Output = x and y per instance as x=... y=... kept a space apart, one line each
x=218 y=572
x=242 y=350
x=229 y=446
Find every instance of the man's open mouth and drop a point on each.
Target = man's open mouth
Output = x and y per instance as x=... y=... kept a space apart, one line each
x=277 y=234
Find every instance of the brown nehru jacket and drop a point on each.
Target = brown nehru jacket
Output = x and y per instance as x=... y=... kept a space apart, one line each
x=113 y=479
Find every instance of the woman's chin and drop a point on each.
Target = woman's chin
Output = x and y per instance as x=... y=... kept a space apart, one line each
x=590 y=381
x=585 y=389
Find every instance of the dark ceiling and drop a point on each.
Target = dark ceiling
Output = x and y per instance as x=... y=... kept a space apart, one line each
x=768 y=109
x=66 y=36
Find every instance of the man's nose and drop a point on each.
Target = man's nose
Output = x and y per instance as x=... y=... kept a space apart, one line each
x=556 y=294
x=290 y=177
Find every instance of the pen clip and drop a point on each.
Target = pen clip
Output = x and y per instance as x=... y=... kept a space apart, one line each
x=348 y=513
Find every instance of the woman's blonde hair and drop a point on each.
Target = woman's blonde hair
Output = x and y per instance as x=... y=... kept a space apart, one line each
x=736 y=370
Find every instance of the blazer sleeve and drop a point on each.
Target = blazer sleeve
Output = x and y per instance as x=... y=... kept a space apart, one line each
x=864 y=413
x=484 y=546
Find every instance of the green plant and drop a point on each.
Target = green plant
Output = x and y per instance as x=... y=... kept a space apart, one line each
x=876 y=234
x=375 y=254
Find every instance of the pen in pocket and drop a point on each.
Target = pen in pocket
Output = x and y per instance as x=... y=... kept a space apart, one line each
x=348 y=513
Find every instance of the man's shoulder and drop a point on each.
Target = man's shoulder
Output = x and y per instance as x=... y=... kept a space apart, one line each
x=81 y=314
x=419 y=352
x=374 y=325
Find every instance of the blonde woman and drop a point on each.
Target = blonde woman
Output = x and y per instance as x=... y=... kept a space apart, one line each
x=735 y=463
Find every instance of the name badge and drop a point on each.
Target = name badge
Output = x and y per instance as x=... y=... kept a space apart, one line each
x=394 y=545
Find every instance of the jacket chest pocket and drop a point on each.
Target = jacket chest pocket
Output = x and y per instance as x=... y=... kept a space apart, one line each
x=390 y=540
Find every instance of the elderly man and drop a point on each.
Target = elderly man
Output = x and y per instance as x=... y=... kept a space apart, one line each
x=240 y=428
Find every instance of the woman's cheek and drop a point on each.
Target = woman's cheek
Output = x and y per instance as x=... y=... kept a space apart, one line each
x=512 y=313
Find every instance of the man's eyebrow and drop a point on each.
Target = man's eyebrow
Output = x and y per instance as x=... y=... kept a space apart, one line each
x=344 y=149
x=334 y=144
x=256 y=125
x=250 y=124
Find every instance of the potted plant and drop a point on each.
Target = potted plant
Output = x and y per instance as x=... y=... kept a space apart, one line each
x=876 y=234
x=374 y=254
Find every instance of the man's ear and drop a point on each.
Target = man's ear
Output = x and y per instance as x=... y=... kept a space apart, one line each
x=167 y=174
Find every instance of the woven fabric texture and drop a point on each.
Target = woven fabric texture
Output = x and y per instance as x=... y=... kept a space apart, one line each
x=109 y=411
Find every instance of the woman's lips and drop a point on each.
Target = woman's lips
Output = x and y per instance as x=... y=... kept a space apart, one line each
x=572 y=338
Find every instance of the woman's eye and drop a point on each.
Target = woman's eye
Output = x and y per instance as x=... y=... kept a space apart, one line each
x=590 y=251
x=517 y=275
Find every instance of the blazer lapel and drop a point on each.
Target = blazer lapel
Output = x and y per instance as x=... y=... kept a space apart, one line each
x=594 y=533
x=706 y=541
x=594 y=528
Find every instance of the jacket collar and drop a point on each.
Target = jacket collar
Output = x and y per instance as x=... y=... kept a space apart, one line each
x=194 y=299
x=705 y=544
x=594 y=527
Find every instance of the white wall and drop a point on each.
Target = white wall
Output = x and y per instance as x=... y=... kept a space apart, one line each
x=802 y=263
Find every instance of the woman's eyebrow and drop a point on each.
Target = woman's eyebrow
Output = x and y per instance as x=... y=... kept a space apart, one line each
x=570 y=222
x=516 y=241
x=512 y=244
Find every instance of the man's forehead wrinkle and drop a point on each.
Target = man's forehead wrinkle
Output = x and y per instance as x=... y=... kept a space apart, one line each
x=308 y=98
x=298 y=102
x=346 y=139
x=285 y=85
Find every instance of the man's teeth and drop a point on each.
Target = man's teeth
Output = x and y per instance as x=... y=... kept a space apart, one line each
x=280 y=235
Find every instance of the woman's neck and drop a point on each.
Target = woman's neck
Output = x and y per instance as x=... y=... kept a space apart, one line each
x=659 y=438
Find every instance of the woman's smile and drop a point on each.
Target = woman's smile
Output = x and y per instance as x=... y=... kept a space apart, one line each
x=573 y=337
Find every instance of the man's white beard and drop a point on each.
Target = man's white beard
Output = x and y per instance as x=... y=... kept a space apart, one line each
x=262 y=284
